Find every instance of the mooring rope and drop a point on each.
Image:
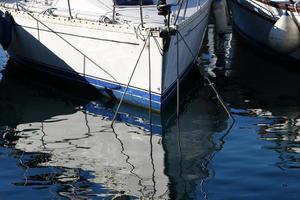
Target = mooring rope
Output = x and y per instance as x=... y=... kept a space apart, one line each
x=69 y=9
x=177 y=78
x=210 y=83
x=186 y=5
x=132 y=73
x=127 y=160
x=150 y=87
x=208 y=80
x=160 y=49
x=141 y=12
x=150 y=120
x=178 y=12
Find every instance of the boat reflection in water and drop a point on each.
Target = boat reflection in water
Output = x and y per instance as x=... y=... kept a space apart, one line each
x=266 y=94
x=56 y=143
x=270 y=91
x=64 y=146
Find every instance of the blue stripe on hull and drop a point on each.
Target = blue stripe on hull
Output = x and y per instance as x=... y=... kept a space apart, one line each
x=133 y=95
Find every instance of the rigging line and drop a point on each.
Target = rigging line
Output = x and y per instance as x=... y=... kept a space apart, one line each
x=50 y=29
x=202 y=189
x=17 y=3
x=105 y=5
x=138 y=33
x=50 y=178
x=177 y=77
x=211 y=156
x=219 y=97
x=127 y=160
x=222 y=139
x=141 y=12
x=150 y=121
x=198 y=2
x=178 y=13
x=186 y=5
x=150 y=102
x=43 y=136
x=209 y=81
x=152 y=163
x=69 y=9
x=177 y=117
x=178 y=131
x=87 y=124
x=187 y=46
x=160 y=49
x=114 y=11
x=26 y=168
x=125 y=91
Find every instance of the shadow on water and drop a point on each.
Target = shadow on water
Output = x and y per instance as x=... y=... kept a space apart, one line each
x=57 y=143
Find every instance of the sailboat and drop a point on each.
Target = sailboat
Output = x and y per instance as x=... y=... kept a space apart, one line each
x=133 y=51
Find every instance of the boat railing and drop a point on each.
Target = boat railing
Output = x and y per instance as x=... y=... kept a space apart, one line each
x=177 y=10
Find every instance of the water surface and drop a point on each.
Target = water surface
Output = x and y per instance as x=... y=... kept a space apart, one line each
x=57 y=142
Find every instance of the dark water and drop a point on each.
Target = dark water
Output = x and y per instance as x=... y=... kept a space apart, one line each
x=57 y=143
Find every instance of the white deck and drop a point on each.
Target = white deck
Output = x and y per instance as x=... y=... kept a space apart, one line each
x=96 y=9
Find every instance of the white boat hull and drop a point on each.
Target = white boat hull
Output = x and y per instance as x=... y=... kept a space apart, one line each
x=254 y=22
x=105 y=55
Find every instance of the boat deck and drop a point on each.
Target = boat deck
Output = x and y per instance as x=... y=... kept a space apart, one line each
x=97 y=10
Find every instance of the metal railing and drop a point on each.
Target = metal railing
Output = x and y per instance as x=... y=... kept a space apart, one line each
x=178 y=13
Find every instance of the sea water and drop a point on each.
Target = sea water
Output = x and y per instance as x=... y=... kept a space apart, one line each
x=57 y=142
